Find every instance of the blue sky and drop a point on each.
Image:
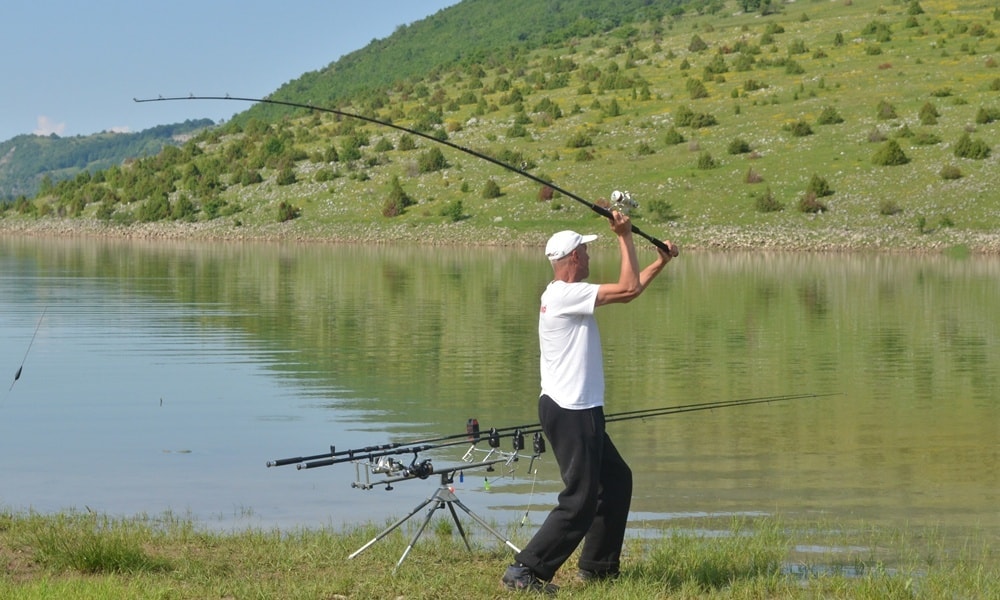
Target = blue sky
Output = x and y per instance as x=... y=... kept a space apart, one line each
x=72 y=67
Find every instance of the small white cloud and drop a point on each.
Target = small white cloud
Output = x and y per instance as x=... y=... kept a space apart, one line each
x=47 y=127
x=121 y=129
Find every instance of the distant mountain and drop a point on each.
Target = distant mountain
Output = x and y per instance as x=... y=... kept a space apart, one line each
x=25 y=160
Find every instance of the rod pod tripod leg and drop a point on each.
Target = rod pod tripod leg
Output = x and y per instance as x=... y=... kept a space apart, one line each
x=444 y=496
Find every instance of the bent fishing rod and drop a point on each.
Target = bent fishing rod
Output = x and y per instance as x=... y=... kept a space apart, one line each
x=604 y=212
x=473 y=433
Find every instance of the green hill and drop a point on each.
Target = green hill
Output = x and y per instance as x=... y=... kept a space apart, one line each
x=830 y=124
x=26 y=160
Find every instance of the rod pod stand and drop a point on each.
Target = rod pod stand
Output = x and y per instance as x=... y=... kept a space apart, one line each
x=443 y=497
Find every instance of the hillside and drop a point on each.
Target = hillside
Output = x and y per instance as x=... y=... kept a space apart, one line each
x=26 y=160
x=473 y=31
x=819 y=124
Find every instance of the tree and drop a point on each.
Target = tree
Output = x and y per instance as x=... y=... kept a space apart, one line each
x=829 y=116
x=398 y=195
x=966 y=147
x=697 y=44
x=432 y=160
x=890 y=155
x=819 y=186
x=491 y=190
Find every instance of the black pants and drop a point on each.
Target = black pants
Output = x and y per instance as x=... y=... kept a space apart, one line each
x=594 y=505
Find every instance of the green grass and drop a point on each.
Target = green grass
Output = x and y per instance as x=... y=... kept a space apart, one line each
x=73 y=555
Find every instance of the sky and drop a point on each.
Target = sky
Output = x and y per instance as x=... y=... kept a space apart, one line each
x=72 y=67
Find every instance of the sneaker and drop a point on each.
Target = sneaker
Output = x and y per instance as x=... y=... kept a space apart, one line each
x=588 y=576
x=520 y=578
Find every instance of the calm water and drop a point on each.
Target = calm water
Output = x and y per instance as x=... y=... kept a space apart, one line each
x=163 y=377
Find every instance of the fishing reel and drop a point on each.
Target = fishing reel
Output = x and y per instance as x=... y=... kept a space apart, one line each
x=623 y=202
x=386 y=465
x=421 y=470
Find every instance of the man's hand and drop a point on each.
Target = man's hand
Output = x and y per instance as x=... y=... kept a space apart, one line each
x=666 y=255
x=621 y=224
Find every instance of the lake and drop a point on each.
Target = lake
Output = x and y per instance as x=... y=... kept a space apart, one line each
x=162 y=376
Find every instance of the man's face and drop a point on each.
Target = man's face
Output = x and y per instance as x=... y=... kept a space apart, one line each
x=582 y=259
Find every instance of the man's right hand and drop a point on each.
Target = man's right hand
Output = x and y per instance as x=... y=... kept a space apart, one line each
x=621 y=224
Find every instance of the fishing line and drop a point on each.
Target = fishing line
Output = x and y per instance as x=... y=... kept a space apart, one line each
x=604 y=212
x=531 y=494
x=18 y=374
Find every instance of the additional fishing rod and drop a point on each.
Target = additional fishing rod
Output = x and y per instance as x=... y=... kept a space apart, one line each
x=604 y=212
x=18 y=374
x=473 y=433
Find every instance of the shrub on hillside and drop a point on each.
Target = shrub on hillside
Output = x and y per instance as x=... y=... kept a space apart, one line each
x=686 y=117
x=287 y=212
x=929 y=114
x=392 y=208
x=696 y=88
x=579 y=140
x=950 y=172
x=183 y=209
x=765 y=201
x=286 y=176
x=673 y=137
x=829 y=116
x=966 y=147
x=705 y=161
x=890 y=155
x=431 y=160
x=889 y=208
x=985 y=115
x=810 y=204
x=697 y=44
x=819 y=186
x=453 y=211
x=738 y=146
x=407 y=142
x=491 y=190
x=885 y=110
x=799 y=128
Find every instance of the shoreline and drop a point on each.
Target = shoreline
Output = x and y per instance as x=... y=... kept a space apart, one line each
x=700 y=238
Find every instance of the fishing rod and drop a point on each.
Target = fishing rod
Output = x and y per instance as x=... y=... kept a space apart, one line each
x=474 y=434
x=604 y=212
x=37 y=327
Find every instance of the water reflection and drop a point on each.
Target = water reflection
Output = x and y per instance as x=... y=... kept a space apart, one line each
x=166 y=374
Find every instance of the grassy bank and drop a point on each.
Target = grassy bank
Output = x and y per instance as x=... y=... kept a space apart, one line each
x=74 y=555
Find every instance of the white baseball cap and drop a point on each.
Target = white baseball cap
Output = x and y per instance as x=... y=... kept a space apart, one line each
x=564 y=242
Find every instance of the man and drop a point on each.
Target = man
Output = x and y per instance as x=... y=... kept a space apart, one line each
x=594 y=505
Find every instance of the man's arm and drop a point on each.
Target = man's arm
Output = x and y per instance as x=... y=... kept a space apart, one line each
x=631 y=283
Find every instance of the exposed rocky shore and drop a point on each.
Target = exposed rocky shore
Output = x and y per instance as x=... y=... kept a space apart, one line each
x=718 y=238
